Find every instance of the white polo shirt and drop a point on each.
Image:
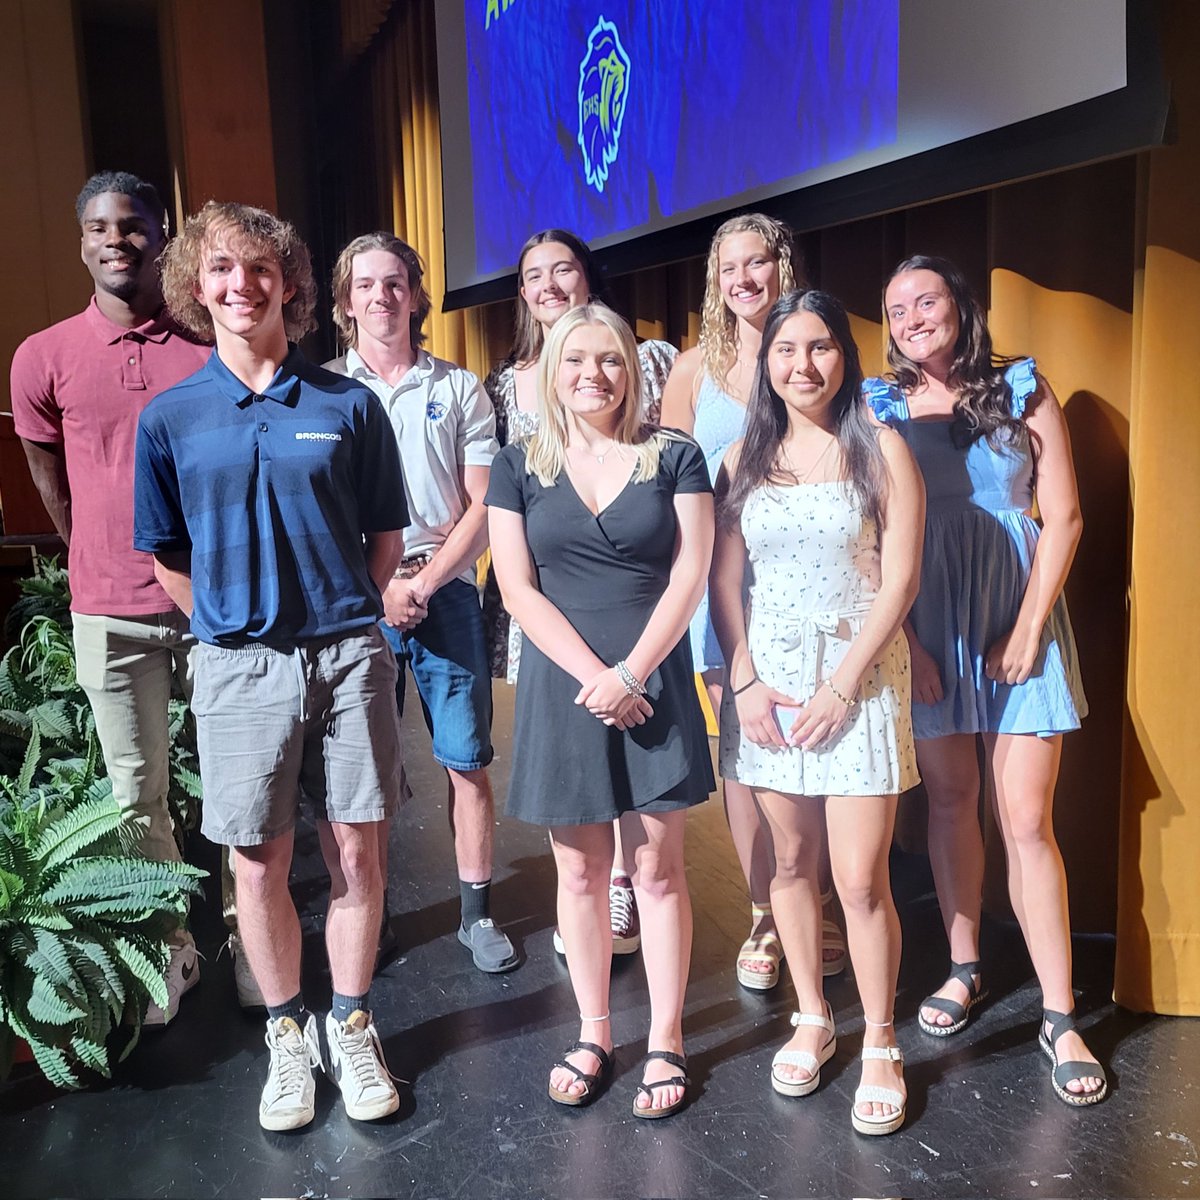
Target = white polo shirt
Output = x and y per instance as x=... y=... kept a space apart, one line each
x=443 y=421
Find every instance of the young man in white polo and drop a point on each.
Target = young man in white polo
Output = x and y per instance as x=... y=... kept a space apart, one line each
x=269 y=491
x=445 y=428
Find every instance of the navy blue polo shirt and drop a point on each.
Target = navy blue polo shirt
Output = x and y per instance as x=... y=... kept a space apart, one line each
x=272 y=494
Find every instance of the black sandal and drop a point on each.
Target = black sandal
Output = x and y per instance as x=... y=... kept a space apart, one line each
x=1064 y=1072
x=592 y=1084
x=959 y=1014
x=680 y=1081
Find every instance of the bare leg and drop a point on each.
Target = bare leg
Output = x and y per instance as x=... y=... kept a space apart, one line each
x=583 y=855
x=655 y=843
x=796 y=834
x=1024 y=771
x=860 y=836
x=267 y=919
x=950 y=769
x=355 y=904
x=472 y=813
x=751 y=841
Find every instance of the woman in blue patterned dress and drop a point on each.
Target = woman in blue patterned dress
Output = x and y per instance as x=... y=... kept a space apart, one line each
x=991 y=643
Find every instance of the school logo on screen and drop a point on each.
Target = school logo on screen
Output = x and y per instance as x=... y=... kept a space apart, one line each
x=603 y=91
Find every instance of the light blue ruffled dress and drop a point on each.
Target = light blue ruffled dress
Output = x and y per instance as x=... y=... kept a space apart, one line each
x=719 y=422
x=979 y=547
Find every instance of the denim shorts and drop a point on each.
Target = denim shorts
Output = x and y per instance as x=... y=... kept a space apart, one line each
x=315 y=722
x=448 y=655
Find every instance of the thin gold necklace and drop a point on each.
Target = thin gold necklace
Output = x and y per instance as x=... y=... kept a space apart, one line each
x=816 y=463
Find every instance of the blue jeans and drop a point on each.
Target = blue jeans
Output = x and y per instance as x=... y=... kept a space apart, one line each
x=448 y=655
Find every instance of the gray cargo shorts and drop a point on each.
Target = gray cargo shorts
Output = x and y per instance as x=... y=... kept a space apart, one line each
x=317 y=722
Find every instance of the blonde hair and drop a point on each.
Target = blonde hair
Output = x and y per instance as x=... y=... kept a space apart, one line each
x=343 y=270
x=718 y=325
x=252 y=229
x=546 y=449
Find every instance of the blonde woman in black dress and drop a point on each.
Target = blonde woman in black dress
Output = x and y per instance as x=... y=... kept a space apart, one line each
x=601 y=530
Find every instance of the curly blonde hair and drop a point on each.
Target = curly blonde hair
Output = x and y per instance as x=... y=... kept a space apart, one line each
x=343 y=271
x=718 y=326
x=252 y=230
x=546 y=448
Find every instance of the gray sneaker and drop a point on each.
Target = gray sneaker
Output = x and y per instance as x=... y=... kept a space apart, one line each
x=288 y=1097
x=357 y=1066
x=249 y=995
x=491 y=951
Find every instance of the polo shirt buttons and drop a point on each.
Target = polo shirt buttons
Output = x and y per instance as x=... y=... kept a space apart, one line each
x=262 y=428
x=133 y=362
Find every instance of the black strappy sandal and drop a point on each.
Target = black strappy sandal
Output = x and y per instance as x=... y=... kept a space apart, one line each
x=1064 y=1072
x=959 y=1014
x=680 y=1081
x=592 y=1084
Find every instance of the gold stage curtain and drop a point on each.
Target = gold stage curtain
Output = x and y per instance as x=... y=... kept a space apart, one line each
x=1158 y=927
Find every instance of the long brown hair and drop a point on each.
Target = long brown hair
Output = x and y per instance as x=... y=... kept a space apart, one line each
x=983 y=407
x=528 y=335
x=767 y=420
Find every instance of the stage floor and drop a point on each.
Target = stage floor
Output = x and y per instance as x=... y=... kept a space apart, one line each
x=181 y=1117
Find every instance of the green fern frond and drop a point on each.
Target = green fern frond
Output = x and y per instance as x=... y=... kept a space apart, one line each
x=147 y=970
x=50 y=1006
x=77 y=830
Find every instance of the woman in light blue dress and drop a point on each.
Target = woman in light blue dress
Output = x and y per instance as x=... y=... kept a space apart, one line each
x=751 y=263
x=991 y=642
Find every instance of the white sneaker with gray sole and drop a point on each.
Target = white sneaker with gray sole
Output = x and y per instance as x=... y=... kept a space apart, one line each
x=356 y=1064
x=289 y=1095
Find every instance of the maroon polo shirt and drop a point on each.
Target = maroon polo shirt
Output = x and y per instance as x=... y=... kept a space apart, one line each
x=82 y=384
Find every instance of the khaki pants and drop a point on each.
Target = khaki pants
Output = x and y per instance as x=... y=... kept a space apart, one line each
x=126 y=665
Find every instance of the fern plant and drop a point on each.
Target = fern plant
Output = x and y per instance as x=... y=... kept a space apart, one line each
x=46 y=593
x=83 y=921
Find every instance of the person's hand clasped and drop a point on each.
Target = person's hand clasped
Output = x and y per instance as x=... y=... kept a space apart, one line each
x=756 y=712
x=820 y=720
x=926 y=678
x=1011 y=658
x=605 y=697
x=404 y=603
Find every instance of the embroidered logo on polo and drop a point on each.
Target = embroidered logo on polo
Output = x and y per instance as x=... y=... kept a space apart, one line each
x=318 y=437
x=435 y=410
x=603 y=90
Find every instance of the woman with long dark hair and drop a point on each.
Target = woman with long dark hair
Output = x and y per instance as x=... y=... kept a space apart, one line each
x=602 y=530
x=557 y=272
x=826 y=509
x=991 y=643
x=751 y=262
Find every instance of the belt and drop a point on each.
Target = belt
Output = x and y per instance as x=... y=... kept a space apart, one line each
x=413 y=565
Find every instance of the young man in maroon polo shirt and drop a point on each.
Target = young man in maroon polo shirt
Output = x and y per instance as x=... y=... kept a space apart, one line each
x=78 y=388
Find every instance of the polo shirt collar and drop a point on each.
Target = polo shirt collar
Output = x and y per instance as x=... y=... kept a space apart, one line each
x=157 y=329
x=421 y=370
x=283 y=386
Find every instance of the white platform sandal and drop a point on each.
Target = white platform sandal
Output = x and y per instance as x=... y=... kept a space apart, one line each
x=787 y=1086
x=867 y=1093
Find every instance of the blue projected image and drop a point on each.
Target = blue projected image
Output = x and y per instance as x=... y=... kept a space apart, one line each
x=602 y=115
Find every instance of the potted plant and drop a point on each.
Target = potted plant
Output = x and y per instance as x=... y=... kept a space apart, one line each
x=83 y=919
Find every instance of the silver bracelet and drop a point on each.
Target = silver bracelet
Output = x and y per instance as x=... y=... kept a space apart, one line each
x=633 y=685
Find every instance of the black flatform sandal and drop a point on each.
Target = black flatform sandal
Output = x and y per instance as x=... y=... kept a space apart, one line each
x=959 y=1014
x=680 y=1081
x=593 y=1085
x=1064 y=1072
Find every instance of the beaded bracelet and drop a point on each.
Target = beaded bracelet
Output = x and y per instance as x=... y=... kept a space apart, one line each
x=633 y=685
x=847 y=703
x=745 y=686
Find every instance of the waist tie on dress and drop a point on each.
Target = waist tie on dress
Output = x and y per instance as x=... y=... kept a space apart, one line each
x=809 y=630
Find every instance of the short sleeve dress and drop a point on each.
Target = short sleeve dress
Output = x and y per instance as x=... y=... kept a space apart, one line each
x=605 y=574
x=980 y=541
x=512 y=423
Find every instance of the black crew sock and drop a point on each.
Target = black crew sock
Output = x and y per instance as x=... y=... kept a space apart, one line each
x=476 y=901
x=293 y=1008
x=344 y=1007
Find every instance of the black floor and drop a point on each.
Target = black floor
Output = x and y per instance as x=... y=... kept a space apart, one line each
x=181 y=1118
